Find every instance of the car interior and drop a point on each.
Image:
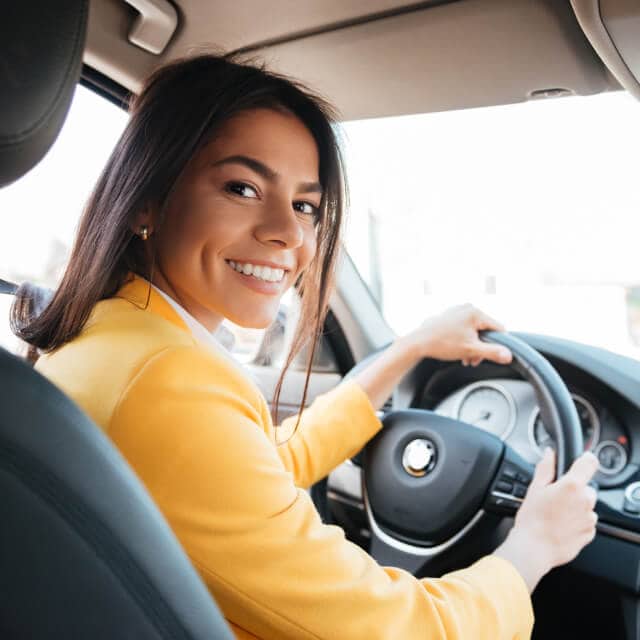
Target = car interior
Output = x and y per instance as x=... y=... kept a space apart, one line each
x=85 y=552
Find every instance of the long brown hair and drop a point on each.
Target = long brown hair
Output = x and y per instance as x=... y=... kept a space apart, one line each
x=181 y=108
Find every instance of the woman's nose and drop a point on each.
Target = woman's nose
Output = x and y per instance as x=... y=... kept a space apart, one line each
x=280 y=226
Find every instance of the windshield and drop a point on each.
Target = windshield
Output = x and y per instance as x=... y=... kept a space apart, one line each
x=530 y=211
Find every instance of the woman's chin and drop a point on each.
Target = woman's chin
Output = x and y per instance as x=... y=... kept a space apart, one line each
x=256 y=321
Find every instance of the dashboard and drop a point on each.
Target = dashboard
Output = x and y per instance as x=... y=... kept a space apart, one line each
x=606 y=391
x=605 y=388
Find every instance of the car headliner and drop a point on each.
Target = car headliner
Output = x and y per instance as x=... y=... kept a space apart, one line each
x=377 y=57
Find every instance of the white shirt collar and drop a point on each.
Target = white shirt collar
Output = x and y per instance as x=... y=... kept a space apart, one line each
x=198 y=330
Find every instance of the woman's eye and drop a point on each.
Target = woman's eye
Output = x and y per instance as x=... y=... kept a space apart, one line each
x=306 y=207
x=241 y=189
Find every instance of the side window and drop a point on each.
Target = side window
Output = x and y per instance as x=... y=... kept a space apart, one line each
x=39 y=213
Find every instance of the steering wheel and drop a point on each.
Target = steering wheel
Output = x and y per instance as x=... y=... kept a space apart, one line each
x=430 y=482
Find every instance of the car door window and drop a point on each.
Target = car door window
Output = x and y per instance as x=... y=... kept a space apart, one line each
x=40 y=211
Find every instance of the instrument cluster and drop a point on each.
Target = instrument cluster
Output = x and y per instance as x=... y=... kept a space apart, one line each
x=508 y=409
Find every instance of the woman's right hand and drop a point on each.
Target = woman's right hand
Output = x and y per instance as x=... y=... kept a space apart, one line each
x=556 y=519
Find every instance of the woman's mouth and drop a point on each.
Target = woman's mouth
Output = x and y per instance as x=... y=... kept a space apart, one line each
x=260 y=272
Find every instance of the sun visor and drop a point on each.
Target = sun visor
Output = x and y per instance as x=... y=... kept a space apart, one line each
x=613 y=29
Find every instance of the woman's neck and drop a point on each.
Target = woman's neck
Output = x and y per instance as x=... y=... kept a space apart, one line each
x=209 y=319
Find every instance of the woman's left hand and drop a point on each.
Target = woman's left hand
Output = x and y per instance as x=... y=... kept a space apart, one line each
x=453 y=335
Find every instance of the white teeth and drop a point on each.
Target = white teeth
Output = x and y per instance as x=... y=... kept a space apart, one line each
x=269 y=274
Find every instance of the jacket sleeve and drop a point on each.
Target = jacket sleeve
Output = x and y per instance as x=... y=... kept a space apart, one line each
x=335 y=427
x=193 y=434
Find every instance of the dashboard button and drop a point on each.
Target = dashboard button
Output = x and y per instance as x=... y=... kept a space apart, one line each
x=502 y=505
x=520 y=477
x=519 y=491
x=509 y=473
x=506 y=487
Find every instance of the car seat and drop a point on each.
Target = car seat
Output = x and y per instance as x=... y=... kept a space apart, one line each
x=84 y=552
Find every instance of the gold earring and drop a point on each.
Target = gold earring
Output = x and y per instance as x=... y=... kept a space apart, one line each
x=144 y=232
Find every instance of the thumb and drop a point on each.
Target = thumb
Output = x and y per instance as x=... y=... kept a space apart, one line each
x=545 y=471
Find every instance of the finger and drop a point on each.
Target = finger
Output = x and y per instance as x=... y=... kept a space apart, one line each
x=545 y=470
x=584 y=467
x=474 y=362
x=494 y=352
x=485 y=322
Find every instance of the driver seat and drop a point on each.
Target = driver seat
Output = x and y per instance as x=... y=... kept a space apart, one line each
x=84 y=552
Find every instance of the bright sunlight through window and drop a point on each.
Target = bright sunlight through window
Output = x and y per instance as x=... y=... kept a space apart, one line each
x=530 y=211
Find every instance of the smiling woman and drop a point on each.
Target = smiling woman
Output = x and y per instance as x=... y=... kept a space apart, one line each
x=136 y=189
x=224 y=191
x=263 y=233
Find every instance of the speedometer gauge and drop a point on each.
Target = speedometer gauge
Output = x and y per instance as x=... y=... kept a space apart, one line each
x=589 y=421
x=488 y=406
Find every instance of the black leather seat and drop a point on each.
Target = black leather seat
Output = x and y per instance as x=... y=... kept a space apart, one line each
x=84 y=552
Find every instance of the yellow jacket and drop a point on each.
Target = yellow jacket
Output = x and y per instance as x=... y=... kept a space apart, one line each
x=198 y=433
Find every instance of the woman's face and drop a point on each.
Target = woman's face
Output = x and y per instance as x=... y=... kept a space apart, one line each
x=239 y=227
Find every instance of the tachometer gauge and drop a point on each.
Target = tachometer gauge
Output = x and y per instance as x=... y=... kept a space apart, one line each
x=488 y=406
x=589 y=421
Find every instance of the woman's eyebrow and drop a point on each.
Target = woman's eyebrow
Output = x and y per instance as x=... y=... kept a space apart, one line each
x=266 y=172
x=310 y=187
x=251 y=163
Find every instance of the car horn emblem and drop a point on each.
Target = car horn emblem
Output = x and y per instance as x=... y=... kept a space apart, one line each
x=419 y=457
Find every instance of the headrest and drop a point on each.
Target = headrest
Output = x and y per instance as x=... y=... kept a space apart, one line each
x=42 y=47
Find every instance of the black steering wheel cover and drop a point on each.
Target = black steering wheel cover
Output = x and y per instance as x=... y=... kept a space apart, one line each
x=557 y=408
